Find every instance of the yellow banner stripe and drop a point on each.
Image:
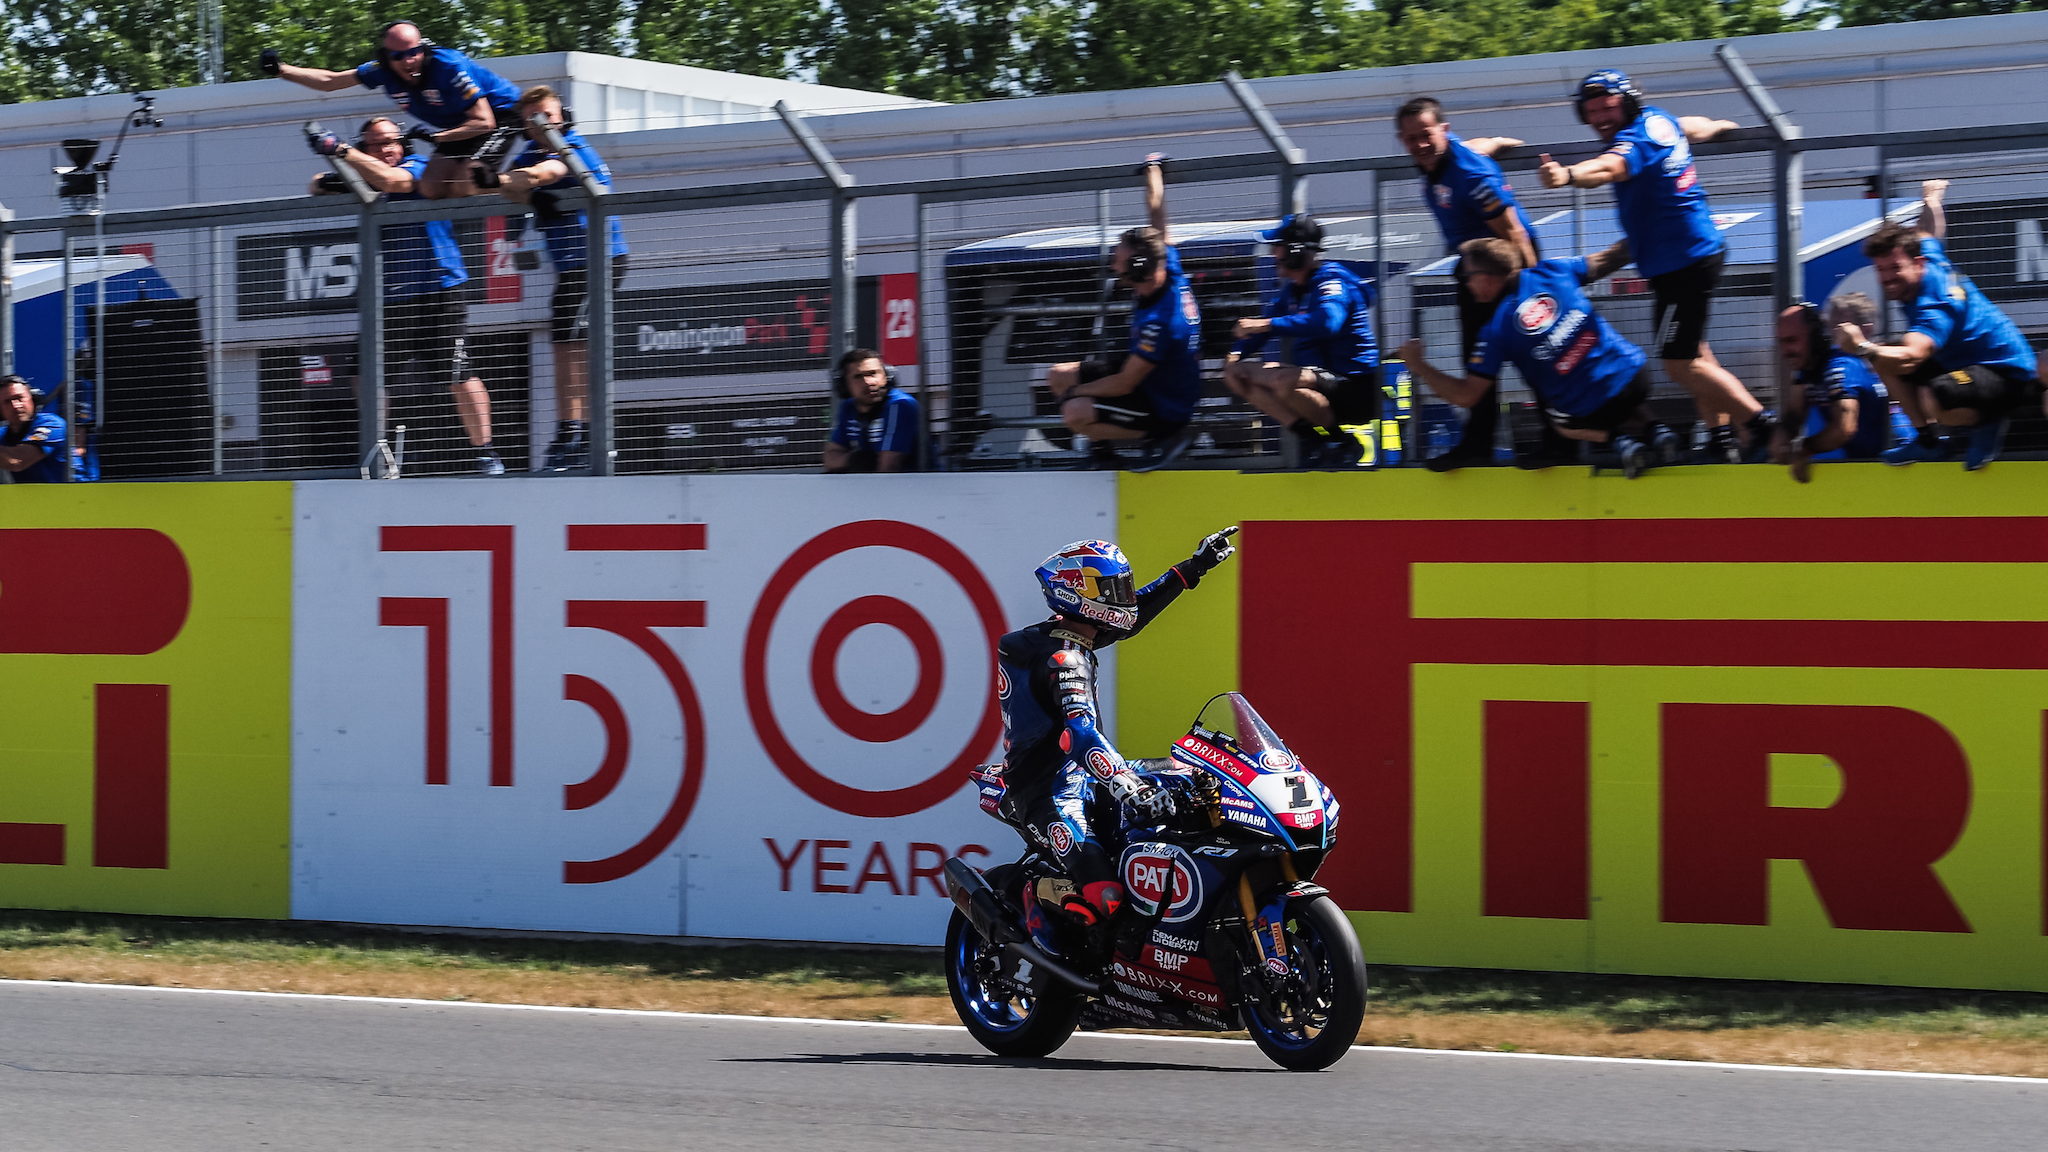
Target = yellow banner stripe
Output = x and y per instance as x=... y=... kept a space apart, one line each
x=1630 y=591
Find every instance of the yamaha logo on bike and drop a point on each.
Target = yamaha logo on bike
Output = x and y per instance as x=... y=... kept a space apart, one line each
x=1150 y=868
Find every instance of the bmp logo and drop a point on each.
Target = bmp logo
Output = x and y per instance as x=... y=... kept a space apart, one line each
x=319 y=272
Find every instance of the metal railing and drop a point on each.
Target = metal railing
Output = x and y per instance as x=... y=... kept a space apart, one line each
x=258 y=338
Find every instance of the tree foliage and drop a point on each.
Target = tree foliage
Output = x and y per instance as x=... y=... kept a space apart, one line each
x=933 y=49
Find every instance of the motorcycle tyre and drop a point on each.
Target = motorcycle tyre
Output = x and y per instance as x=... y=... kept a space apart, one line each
x=1346 y=969
x=1049 y=1024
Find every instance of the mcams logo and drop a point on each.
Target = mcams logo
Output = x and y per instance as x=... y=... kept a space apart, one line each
x=296 y=273
x=320 y=272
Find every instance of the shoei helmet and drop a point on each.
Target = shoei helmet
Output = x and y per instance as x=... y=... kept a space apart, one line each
x=1090 y=580
x=1609 y=82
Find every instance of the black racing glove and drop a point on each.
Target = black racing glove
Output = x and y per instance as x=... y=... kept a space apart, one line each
x=1213 y=550
x=268 y=62
x=420 y=132
x=331 y=182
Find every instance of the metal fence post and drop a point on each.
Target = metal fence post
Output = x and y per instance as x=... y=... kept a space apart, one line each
x=1293 y=185
x=845 y=239
x=70 y=339
x=925 y=459
x=369 y=332
x=1103 y=246
x=1788 y=177
x=597 y=262
x=6 y=290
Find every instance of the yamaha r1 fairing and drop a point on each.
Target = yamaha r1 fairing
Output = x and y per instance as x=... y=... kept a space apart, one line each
x=1222 y=928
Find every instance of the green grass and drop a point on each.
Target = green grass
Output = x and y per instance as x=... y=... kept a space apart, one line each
x=901 y=973
x=1637 y=1003
x=1615 y=1003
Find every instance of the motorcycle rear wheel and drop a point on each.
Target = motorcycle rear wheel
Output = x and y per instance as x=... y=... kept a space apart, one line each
x=1313 y=1021
x=1000 y=1021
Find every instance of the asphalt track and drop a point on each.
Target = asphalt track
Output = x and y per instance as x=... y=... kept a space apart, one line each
x=86 y=1068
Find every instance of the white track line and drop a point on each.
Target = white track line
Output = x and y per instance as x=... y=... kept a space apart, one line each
x=1126 y=1036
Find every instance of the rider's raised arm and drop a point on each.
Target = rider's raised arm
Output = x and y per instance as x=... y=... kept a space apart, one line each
x=1154 y=597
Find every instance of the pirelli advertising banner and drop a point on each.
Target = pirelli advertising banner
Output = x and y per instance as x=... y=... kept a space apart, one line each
x=1706 y=723
x=148 y=636
x=738 y=707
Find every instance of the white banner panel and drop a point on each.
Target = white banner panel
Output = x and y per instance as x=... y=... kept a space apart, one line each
x=713 y=706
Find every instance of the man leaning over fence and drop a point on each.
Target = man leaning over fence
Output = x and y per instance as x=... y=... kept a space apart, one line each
x=1962 y=363
x=876 y=428
x=32 y=448
x=538 y=175
x=1835 y=398
x=426 y=323
x=1152 y=395
x=1331 y=375
x=465 y=109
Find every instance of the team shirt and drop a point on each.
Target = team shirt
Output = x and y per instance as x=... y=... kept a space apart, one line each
x=1465 y=192
x=1663 y=209
x=1966 y=328
x=46 y=431
x=424 y=257
x=449 y=83
x=890 y=426
x=1547 y=328
x=1846 y=377
x=1329 y=319
x=565 y=236
x=1166 y=331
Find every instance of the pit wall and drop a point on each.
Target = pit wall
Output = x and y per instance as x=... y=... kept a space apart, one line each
x=1703 y=723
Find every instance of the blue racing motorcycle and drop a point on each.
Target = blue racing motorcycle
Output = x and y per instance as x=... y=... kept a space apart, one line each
x=1223 y=928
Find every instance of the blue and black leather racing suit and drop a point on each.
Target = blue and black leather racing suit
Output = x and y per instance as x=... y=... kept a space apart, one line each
x=1065 y=775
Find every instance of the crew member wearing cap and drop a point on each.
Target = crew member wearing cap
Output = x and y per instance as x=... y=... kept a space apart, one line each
x=1328 y=372
x=465 y=110
x=1671 y=233
x=32 y=446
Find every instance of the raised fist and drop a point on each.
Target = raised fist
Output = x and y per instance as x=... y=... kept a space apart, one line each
x=327 y=144
x=268 y=63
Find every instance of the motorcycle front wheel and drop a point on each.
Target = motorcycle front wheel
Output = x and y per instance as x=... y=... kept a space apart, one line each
x=1002 y=1021
x=1311 y=1020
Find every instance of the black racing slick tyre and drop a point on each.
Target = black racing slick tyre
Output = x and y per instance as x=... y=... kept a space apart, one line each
x=1002 y=1021
x=1312 y=1020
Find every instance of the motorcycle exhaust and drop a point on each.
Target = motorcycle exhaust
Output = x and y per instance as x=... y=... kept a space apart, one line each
x=977 y=901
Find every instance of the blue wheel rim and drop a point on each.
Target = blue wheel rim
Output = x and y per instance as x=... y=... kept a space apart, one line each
x=1306 y=944
x=991 y=1011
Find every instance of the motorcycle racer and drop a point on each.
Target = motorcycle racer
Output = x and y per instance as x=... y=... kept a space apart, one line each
x=1057 y=761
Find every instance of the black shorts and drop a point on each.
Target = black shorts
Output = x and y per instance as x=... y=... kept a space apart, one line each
x=1353 y=399
x=424 y=340
x=492 y=147
x=1611 y=416
x=1133 y=410
x=1683 y=300
x=571 y=302
x=1993 y=393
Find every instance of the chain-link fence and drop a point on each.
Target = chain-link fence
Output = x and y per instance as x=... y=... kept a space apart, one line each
x=233 y=336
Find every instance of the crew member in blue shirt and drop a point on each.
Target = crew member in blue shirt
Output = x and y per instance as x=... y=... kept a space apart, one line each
x=1152 y=395
x=1471 y=200
x=1962 y=363
x=1590 y=380
x=425 y=321
x=1831 y=389
x=1332 y=375
x=32 y=449
x=465 y=109
x=536 y=177
x=877 y=425
x=1670 y=230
